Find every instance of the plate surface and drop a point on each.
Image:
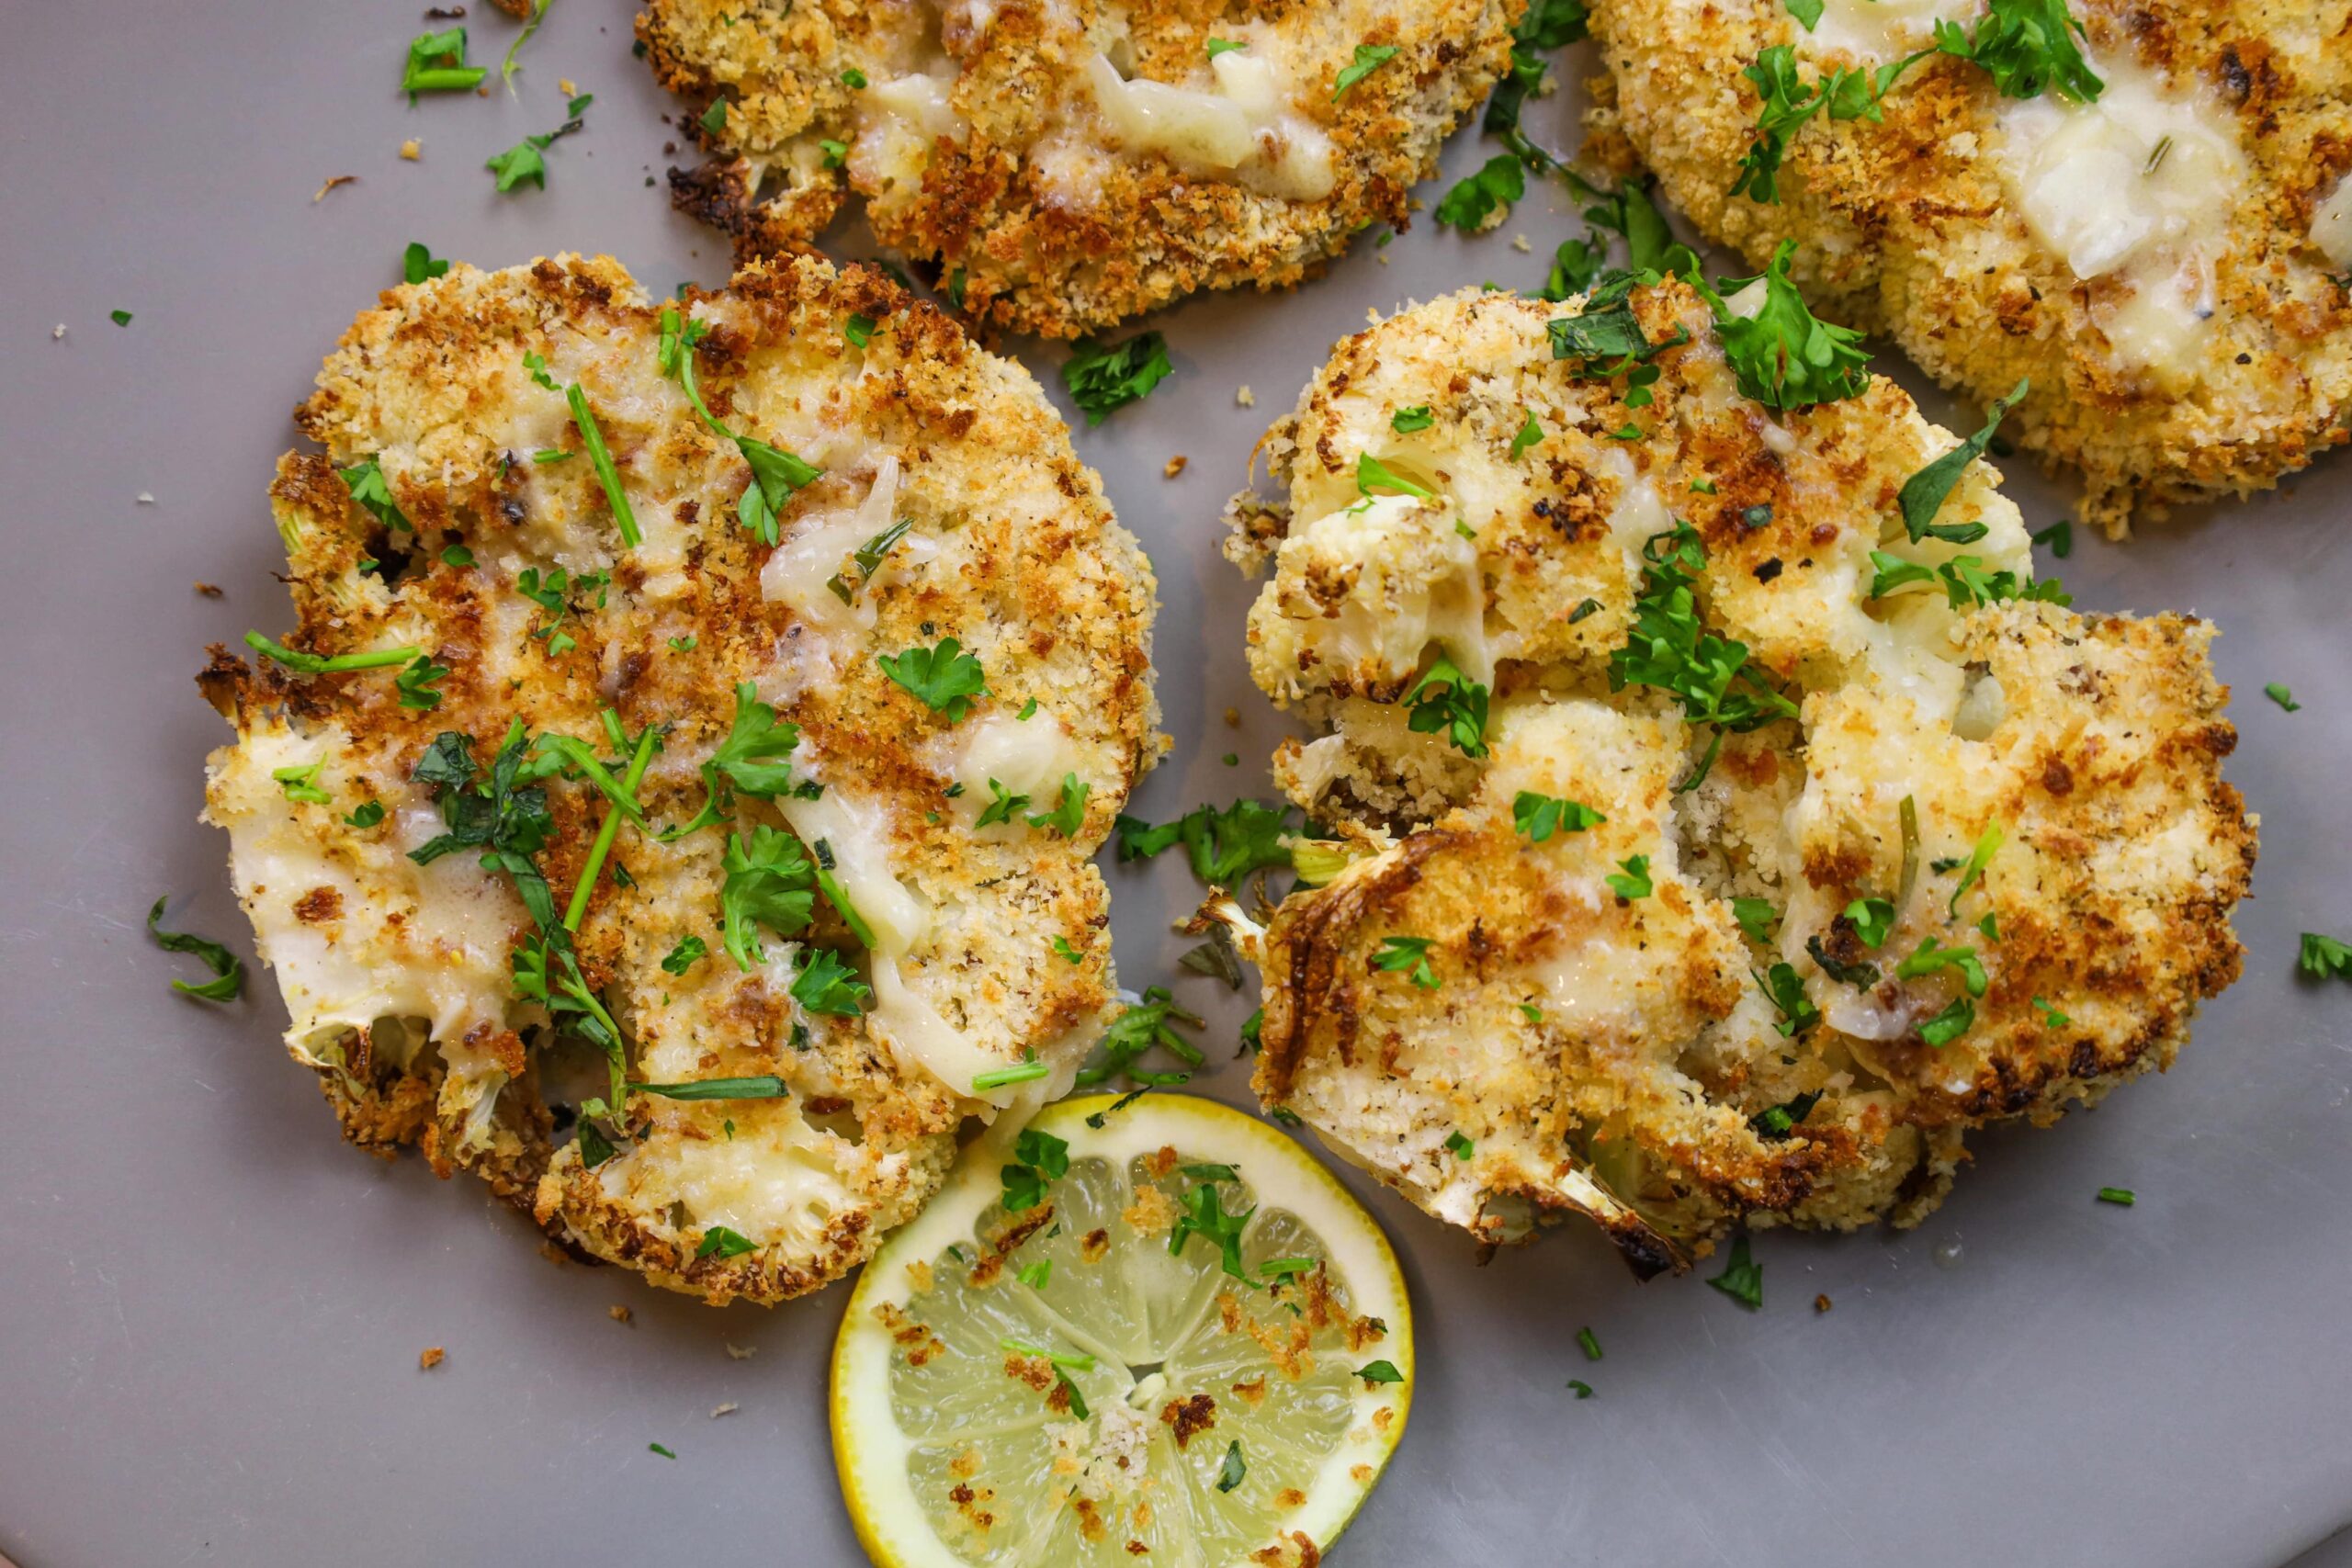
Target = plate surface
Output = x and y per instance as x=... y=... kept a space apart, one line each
x=214 y=1309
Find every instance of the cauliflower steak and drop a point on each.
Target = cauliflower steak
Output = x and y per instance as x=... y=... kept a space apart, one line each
x=1730 y=822
x=1068 y=165
x=2144 y=208
x=676 y=804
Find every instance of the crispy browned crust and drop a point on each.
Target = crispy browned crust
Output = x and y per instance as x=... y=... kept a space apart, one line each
x=1906 y=228
x=976 y=209
x=1035 y=576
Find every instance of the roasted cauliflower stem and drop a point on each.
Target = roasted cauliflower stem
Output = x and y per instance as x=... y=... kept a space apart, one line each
x=792 y=801
x=1590 y=957
x=1065 y=163
x=2170 y=264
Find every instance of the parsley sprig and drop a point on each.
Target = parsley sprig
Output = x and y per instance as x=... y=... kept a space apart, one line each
x=1104 y=377
x=228 y=969
x=944 y=677
x=1783 y=356
x=1670 y=647
x=1223 y=844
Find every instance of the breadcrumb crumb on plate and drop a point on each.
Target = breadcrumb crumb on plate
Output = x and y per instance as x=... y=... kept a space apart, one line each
x=1065 y=165
x=1663 y=1012
x=938 y=498
x=2171 y=265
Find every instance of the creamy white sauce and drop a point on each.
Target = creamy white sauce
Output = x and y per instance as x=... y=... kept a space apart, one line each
x=2137 y=186
x=819 y=549
x=1029 y=757
x=1244 y=129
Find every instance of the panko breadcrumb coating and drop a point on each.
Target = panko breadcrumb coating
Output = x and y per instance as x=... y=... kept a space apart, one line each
x=1067 y=164
x=2171 y=265
x=1551 y=979
x=893 y=949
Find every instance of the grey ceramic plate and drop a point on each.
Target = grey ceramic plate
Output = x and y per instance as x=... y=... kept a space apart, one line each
x=210 y=1310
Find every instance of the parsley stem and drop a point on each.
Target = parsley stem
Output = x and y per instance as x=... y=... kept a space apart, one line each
x=998 y=1078
x=312 y=664
x=606 y=834
x=584 y=420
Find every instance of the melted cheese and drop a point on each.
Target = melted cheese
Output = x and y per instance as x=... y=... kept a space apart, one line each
x=800 y=570
x=1880 y=30
x=1028 y=757
x=2331 y=225
x=2138 y=187
x=1244 y=129
x=923 y=102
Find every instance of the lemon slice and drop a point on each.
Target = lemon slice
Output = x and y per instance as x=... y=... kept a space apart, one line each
x=1054 y=1386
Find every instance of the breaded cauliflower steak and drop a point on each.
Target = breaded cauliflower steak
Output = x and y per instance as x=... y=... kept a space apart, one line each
x=1068 y=164
x=404 y=979
x=2171 y=265
x=1621 y=1049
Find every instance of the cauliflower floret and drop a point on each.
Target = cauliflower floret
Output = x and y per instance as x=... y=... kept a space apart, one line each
x=1940 y=851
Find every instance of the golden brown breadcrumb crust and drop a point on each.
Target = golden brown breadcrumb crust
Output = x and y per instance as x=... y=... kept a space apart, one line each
x=1011 y=547
x=1016 y=246
x=1908 y=226
x=1620 y=1057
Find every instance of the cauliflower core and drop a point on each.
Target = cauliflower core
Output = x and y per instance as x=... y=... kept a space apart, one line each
x=1068 y=165
x=2169 y=262
x=804 y=905
x=1960 y=864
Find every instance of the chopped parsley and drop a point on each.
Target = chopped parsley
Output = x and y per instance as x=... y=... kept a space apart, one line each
x=314 y=664
x=721 y=1242
x=1783 y=356
x=437 y=63
x=2059 y=537
x=2281 y=695
x=1460 y=1146
x=1929 y=958
x=120 y=318
x=1448 y=703
x=1789 y=101
x=1861 y=975
x=418 y=683
x=1482 y=200
x=527 y=160
x=713 y=119
x=1529 y=434
x=1223 y=845
x=2050 y=1017
x=1404 y=421
x=1777 y=1122
x=1988 y=844
x=1223 y=46
x=1950 y=1024
x=592 y=437
x=419 y=265
x=858 y=331
x=1546 y=26
x=530 y=26
x=2027 y=47
x=1374 y=477
x=1872 y=920
x=1035 y=1274
x=2324 y=956
x=1756 y=917
x=854 y=78
x=1204 y=1216
x=1668 y=646
x=1541 y=816
x=367 y=815
x=365 y=480
x=1062 y=949
x=1409 y=955
x=227 y=970
x=1136 y=1030
x=1589 y=1343
x=1742 y=1277
x=301 y=784
x=826 y=985
x=1023 y=1071
x=769 y=883
x=1785 y=990
x=1230 y=1473
x=1370 y=57
x=763 y=1085
x=1001 y=807
x=1923 y=494
x=944 y=677
x=690 y=950
x=1069 y=808
x=2123 y=1197
x=1104 y=377
x=750 y=759
x=1964 y=579
x=1635 y=882
x=1380 y=1372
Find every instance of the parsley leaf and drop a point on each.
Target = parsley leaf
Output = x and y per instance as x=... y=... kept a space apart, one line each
x=2026 y=46
x=1529 y=434
x=1783 y=356
x=1380 y=1372
x=1001 y=807
x=2323 y=956
x=1204 y=1216
x=1988 y=843
x=1223 y=845
x=227 y=970
x=719 y=1241
x=1370 y=57
x=1786 y=991
x=1038 y=1158
x=301 y=784
x=1929 y=957
x=1374 y=477
x=1635 y=882
x=1404 y=421
x=1483 y=199
x=1446 y=702
x=945 y=678
x=1539 y=816
x=1742 y=1277
x=1458 y=1145
x=1069 y=808
x=1223 y=46
x=1872 y=920
x=1860 y=975
x=1409 y=955
x=1923 y=494
x=2281 y=695
x=1137 y=1030
x=368 y=814
x=769 y=883
x=690 y=950
x=1547 y=24
x=1778 y=1120
x=365 y=480
x=1668 y=646
x=437 y=63
x=1756 y=917
x=827 y=985
x=1104 y=377
x=419 y=265
x=1950 y=1024
x=1230 y=1473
